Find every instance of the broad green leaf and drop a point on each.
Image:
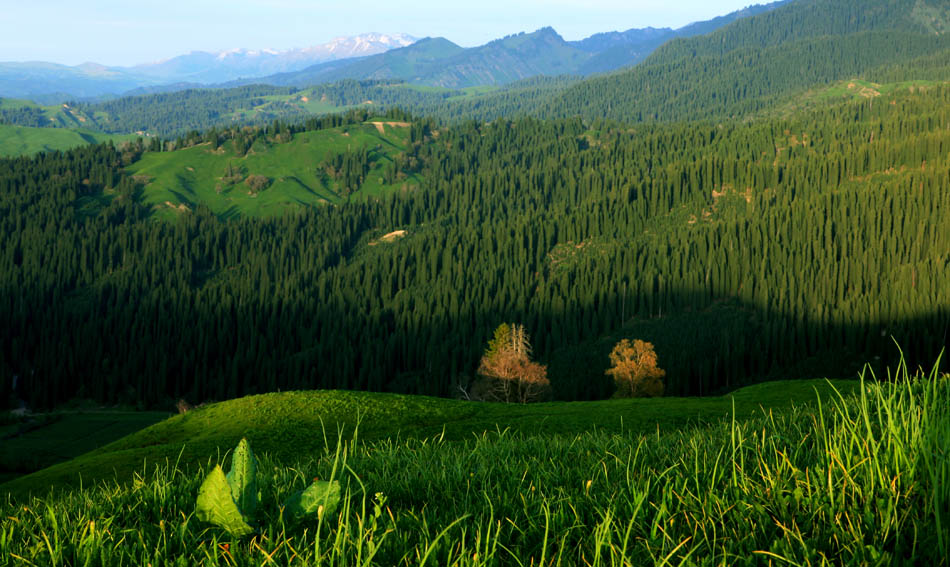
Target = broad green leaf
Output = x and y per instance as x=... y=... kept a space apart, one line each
x=216 y=506
x=319 y=499
x=243 y=479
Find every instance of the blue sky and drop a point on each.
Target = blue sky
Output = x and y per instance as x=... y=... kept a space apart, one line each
x=125 y=32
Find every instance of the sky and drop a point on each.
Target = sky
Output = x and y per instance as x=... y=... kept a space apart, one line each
x=126 y=32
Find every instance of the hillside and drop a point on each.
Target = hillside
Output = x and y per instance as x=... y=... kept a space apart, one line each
x=751 y=63
x=296 y=171
x=617 y=50
x=25 y=141
x=682 y=235
x=289 y=424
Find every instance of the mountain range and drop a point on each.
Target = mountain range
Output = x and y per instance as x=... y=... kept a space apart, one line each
x=440 y=63
x=207 y=68
x=433 y=61
x=53 y=82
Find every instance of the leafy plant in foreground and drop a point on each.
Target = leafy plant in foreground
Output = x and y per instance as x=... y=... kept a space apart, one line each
x=230 y=501
x=319 y=499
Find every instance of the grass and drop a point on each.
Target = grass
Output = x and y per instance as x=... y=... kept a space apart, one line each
x=859 y=479
x=180 y=180
x=48 y=439
x=287 y=424
x=848 y=91
x=23 y=140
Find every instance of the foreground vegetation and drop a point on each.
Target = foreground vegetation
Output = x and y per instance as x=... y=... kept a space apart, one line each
x=859 y=479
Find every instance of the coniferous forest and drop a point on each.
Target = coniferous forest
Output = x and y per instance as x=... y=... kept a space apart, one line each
x=742 y=250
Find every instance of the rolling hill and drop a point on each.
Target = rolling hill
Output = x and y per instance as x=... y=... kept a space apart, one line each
x=683 y=235
x=287 y=424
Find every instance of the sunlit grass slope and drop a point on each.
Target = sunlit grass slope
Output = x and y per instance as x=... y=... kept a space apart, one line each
x=847 y=91
x=23 y=140
x=289 y=425
x=861 y=479
x=183 y=179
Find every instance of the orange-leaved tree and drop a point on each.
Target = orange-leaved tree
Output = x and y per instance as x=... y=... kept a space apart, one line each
x=635 y=371
x=507 y=373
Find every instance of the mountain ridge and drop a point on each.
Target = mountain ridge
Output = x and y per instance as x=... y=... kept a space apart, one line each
x=220 y=66
x=376 y=56
x=48 y=81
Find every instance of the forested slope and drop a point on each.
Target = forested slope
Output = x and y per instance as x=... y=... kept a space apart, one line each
x=749 y=64
x=738 y=249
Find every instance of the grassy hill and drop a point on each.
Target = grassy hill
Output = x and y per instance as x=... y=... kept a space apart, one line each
x=23 y=140
x=222 y=178
x=858 y=479
x=290 y=424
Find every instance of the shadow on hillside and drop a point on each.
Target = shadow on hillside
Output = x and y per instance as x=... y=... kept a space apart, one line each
x=157 y=348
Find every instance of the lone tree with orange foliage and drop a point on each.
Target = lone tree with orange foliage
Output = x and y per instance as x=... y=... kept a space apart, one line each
x=635 y=371
x=506 y=372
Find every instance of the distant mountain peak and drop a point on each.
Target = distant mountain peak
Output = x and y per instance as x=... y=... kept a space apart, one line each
x=231 y=64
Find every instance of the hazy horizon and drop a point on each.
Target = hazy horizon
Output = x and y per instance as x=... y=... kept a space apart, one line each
x=115 y=33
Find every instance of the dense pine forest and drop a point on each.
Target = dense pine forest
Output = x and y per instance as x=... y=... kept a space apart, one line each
x=741 y=250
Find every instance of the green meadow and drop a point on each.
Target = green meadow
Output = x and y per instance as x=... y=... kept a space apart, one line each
x=284 y=424
x=174 y=182
x=804 y=473
x=24 y=140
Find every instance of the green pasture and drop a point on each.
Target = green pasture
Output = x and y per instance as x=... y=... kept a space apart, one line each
x=23 y=140
x=174 y=182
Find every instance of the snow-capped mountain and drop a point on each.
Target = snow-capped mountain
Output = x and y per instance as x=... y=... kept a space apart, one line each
x=222 y=66
x=360 y=45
